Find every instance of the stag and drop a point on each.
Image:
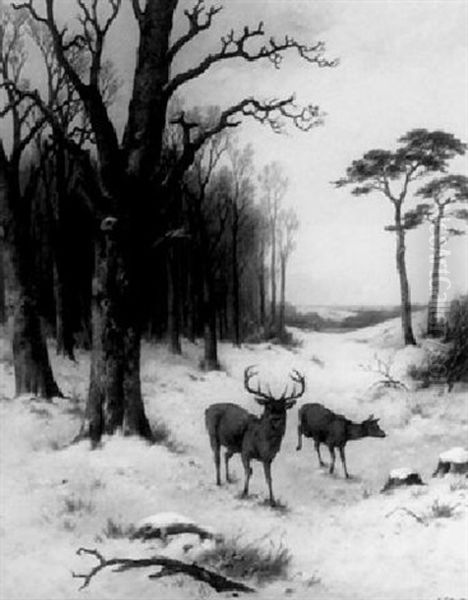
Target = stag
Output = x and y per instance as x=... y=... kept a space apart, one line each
x=255 y=438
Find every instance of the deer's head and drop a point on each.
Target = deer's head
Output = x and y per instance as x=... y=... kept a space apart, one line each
x=275 y=406
x=372 y=428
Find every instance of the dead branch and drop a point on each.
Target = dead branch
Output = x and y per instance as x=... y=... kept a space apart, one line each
x=384 y=369
x=235 y=46
x=169 y=566
x=200 y=19
x=409 y=512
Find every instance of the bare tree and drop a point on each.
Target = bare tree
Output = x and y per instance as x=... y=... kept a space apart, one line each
x=131 y=169
x=273 y=187
x=33 y=373
x=207 y=235
x=288 y=224
x=241 y=197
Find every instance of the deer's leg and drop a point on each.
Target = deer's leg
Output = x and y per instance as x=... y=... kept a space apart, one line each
x=299 y=437
x=217 y=457
x=248 y=473
x=332 y=456
x=343 y=461
x=227 y=456
x=267 y=470
x=317 y=448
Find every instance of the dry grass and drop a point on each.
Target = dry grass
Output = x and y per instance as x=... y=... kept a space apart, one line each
x=114 y=530
x=261 y=560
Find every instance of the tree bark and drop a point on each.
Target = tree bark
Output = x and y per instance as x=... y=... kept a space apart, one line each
x=432 y=315
x=63 y=316
x=115 y=402
x=173 y=309
x=33 y=372
x=408 y=335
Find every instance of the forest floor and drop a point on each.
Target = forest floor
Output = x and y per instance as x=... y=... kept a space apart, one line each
x=344 y=538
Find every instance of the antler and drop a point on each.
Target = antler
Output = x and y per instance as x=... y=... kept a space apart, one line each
x=248 y=374
x=297 y=378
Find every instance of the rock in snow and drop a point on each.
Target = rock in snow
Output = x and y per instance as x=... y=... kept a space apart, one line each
x=161 y=525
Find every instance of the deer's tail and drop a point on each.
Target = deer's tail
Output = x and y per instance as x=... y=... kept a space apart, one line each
x=212 y=418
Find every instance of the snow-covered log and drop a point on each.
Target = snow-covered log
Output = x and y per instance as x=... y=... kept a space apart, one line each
x=161 y=525
x=402 y=477
x=454 y=460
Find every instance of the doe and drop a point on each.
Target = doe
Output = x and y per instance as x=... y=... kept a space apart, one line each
x=326 y=427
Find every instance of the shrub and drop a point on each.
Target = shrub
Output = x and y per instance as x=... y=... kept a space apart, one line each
x=456 y=334
x=114 y=530
x=442 y=510
x=74 y=504
x=256 y=560
x=449 y=364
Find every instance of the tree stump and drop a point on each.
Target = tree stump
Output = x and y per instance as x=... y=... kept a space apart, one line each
x=454 y=460
x=402 y=477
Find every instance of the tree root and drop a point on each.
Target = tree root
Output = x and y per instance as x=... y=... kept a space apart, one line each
x=169 y=566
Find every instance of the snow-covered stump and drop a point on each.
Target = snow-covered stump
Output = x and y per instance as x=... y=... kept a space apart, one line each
x=454 y=460
x=402 y=477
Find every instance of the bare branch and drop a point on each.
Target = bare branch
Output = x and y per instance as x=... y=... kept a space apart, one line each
x=235 y=46
x=169 y=566
x=200 y=19
x=138 y=12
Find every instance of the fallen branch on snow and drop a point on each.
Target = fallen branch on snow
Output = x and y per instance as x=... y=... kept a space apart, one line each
x=169 y=566
x=409 y=512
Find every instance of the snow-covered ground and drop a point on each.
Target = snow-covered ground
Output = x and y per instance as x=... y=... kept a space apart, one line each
x=347 y=540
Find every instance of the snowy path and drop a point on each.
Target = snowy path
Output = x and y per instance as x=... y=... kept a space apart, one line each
x=55 y=501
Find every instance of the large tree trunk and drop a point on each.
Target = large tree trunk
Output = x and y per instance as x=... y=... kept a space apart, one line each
x=408 y=335
x=33 y=373
x=115 y=401
x=62 y=285
x=433 y=308
x=173 y=308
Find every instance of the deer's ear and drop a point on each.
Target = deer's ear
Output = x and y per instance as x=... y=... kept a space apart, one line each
x=289 y=404
x=261 y=401
x=370 y=417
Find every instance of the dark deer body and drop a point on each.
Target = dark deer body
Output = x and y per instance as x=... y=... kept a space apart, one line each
x=255 y=438
x=326 y=427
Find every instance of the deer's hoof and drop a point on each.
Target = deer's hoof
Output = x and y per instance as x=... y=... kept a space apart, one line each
x=298 y=448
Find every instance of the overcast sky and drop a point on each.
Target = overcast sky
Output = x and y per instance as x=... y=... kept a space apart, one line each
x=403 y=65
